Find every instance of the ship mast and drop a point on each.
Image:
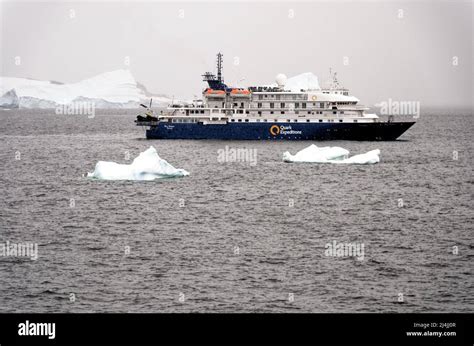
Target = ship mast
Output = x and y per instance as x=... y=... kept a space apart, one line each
x=219 y=67
x=215 y=82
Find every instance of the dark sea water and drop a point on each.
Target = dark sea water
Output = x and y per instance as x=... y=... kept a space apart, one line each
x=237 y=245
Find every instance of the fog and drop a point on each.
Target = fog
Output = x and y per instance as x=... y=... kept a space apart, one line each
x=420 y=51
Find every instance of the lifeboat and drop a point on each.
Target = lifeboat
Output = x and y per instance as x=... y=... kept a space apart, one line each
x=212 y=92
x=240 y=92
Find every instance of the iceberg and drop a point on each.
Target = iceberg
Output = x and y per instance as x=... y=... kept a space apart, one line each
x=304 y=81
x=115 y=89
x=9 y=100
x=315 y=154
x=146 y=166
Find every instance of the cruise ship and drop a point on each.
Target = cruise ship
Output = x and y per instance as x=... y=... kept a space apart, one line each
x=269 y=113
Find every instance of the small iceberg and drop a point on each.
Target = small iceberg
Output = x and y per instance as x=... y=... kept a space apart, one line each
x=314 y=154
x=146 y=166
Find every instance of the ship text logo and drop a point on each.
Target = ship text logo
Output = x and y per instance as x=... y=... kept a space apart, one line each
x=283 y=130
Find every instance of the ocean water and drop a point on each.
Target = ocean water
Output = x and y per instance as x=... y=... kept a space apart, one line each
x=234 y=237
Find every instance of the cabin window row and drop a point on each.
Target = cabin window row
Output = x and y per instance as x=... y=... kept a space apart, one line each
x=184 y=120
x=283 y=96
x=296 y=112
x=289 y=120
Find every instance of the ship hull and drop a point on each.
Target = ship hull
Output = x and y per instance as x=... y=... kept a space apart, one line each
x=377 y=131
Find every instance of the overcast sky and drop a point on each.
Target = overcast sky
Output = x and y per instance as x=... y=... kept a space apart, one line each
x=170 y=45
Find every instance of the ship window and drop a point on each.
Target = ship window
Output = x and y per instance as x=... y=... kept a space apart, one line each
x=307 y=120
x=240 y=120
x=288 y=120
x=259 y=105
x=309 y=112
x=246 y=120
x=282 y=112
x=320 y=120
x=282 y=105
x=334 y=112
x=355 y=120
x=266 y=96
x=303 y=104
x=259 y=97
x=246 y=112
x=202 y=112
x=272 y=105
x=297 y=105
x=297 y=112
x=340 y=120
x=264 y=120
x=233 y=120
x=295 y=120
x=259 y=112
x=271 y=112
x=242 y=104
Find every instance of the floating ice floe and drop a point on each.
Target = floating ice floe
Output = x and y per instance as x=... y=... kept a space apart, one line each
x=146 y=166
x=314 y=154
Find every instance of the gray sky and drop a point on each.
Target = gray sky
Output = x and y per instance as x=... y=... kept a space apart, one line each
x=409 y=58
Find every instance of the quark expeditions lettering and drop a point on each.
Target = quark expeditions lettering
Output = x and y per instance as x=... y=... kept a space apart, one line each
x=287 y=130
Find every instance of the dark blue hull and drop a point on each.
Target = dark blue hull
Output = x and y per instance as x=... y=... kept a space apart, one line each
x=377 y=131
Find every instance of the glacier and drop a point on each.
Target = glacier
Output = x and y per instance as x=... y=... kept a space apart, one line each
x=148 y=165
x=337 y=155
x=115 y=89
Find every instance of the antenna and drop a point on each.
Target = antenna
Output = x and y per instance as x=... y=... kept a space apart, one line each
x=219 y=67
x=329 y=82
x=335 y=81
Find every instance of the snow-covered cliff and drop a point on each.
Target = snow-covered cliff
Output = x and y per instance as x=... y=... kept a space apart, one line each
x=116 y=89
